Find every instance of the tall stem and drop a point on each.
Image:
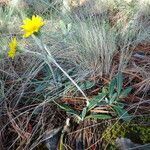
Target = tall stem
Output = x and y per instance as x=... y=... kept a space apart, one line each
x=50 y=57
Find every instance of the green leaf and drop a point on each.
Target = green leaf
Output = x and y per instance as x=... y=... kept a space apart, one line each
x=122 y=113
x=73 y=112
x=84 y=111
x=87 y=85
x=99 y=116
x=113 y=98
x=67 y=109
x=125 y=92
x=64 y=107
x=94 y=101
x=119 y=82
x=112 y=87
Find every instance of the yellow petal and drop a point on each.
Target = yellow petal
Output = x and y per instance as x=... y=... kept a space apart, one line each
x=12 y=48
x=32 y=25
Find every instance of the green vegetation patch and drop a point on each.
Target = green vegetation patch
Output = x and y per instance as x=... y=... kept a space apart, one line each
x=136 y=133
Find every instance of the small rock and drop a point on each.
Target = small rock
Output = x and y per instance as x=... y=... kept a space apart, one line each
x=52 y=138
x=127 y=144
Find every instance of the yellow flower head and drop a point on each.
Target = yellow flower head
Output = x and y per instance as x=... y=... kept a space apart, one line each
x=32 y=26
x=12 y=48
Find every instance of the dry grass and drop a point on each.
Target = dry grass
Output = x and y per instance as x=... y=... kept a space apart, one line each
x=96 y=46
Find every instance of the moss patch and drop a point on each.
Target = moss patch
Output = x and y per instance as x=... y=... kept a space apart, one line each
x=136 y=133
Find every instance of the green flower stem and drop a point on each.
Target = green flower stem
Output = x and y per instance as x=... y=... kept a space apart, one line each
x=65 y=130
x=41 y=45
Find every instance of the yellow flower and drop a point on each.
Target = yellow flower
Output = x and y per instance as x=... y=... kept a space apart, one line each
x=32 y=26
x=12 y=48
